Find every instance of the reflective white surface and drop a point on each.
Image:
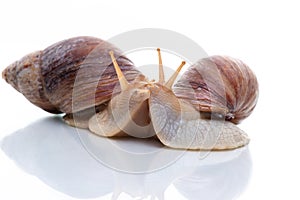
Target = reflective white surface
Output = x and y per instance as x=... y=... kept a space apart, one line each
x=54 y=153
x=40 y=161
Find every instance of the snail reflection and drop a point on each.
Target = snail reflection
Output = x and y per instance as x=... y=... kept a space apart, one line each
x=77 y=77
x=54 y=153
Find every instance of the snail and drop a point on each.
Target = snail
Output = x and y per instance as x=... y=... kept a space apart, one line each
x=98 y=88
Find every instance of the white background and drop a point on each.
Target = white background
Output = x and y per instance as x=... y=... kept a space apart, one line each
x=264 y=34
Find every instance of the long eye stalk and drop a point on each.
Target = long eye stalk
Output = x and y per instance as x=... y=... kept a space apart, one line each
x=123 y=82
x=172 y=79
x=161 y=79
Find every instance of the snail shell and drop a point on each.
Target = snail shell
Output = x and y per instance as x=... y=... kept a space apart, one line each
x=220 y=84
x=47 y=78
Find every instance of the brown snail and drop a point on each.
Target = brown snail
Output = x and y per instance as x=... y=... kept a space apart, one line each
x=113 y=98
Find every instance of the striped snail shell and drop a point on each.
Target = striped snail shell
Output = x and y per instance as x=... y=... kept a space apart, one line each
x=47 y=78
x=220 y=84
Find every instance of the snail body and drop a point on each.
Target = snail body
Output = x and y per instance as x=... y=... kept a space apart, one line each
x=174 y=120
x=188 y=129
x=100 y=89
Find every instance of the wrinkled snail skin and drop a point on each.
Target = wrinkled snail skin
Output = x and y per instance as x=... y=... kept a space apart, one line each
x=220 y=84
x=179 y=125
x=126 y=114
x=69 y=76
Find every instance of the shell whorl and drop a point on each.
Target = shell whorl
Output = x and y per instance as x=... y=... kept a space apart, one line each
x=24 y=76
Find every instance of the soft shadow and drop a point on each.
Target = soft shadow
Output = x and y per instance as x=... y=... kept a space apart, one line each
x=54 y=152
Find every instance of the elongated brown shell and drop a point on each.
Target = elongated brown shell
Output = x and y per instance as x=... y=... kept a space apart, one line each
x=220 y=84
x=69 y=76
